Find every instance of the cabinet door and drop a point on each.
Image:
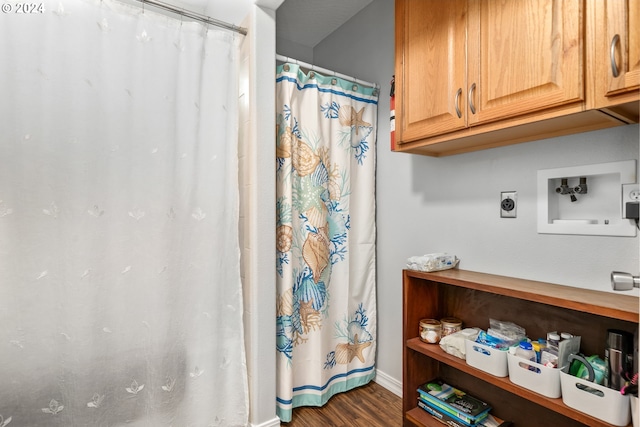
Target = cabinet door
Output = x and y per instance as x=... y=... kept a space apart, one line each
x=622 y=45
x=524 y=56
x=430 y=67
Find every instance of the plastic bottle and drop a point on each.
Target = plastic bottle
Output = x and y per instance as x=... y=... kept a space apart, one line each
x=565 y=336
x=525 y=351
x=543 y=343
x=537 y=348
x=553 y=339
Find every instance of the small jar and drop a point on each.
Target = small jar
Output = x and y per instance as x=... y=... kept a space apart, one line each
x=430 y=331
x=450 y=325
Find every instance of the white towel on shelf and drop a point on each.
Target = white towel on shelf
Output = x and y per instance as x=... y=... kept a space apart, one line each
x=432 y=262
x=455 y=343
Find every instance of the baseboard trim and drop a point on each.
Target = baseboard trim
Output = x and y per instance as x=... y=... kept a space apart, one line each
x=388 y=382
x=275 y=422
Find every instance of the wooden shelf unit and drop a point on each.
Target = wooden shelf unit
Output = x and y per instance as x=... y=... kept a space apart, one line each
x=537 y=306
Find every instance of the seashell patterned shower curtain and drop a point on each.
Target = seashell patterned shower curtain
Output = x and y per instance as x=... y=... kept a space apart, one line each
x=325 y=211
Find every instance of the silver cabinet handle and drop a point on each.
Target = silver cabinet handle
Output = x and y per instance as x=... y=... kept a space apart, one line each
x=457 y=102
x=470 y=96
x=612 y=55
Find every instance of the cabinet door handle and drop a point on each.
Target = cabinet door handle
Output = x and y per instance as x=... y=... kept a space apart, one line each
x=457 y=103
x=470 y=96
x=612 y=55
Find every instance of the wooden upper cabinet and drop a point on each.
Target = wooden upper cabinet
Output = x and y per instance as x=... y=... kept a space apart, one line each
x=623 y=36
x=616 y=39
x=430 y=67
x=476 y=74
x=524 y=56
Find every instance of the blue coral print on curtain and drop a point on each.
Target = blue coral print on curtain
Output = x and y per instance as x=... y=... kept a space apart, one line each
x=325 y=249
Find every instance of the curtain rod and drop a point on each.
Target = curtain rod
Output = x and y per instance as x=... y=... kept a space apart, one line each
x=195 y=16
x=325 y=71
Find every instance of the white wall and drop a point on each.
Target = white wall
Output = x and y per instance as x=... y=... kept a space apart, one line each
x=450 y=204
x=257 y=208
x=229 y=11
x=232 y=12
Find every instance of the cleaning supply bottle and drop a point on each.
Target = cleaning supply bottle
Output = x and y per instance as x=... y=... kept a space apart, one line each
x=537 y=348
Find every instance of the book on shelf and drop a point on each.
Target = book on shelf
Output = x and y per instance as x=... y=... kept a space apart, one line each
x=455 y=402
x=443 y=416
x=447 y=419
x=441 y=408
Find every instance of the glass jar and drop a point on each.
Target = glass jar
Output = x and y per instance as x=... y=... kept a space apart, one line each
x=430 y=331
x=450 y=325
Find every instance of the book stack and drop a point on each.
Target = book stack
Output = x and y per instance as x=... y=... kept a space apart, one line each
x=451 y=406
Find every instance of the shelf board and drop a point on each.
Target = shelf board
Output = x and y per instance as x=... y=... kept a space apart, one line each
x=606 y=304
x=557 y=405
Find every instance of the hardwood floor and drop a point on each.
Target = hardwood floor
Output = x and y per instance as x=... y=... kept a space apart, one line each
x=368 y=406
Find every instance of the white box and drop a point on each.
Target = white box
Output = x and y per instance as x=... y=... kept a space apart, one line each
x=598 y=401
x=487 y=359
x=534 y=376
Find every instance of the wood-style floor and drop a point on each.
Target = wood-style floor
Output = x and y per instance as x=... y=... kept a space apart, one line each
x=368 y=406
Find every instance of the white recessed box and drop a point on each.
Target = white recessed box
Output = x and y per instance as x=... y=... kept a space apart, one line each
x=597 y=212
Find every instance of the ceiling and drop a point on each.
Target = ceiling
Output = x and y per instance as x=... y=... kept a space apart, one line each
x=308 y=22
x=304 y=22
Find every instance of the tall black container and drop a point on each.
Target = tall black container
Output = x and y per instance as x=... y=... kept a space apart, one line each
x=618 y=355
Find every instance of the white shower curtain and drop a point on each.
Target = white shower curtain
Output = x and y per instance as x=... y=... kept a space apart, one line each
x=326 y=306
x=120 y=293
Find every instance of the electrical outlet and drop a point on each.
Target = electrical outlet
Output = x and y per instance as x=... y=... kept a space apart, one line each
x=630 y=193
x=508 y=204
